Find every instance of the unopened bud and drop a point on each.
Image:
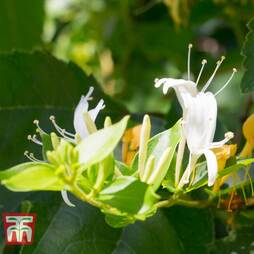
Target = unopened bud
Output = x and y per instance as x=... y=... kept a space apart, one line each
x=148 y=168
x=144 y=138
x=107 y=122
x=54 y=140
x=161 y=170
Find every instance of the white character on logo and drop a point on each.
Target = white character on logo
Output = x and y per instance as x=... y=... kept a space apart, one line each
x=19 y=228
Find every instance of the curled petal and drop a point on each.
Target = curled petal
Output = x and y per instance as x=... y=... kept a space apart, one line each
x=66 y=199
x=79 y=124
x=94 y=112
x=212 y=166
x=159 y=82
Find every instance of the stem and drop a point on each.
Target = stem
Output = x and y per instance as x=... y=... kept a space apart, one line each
x=179 y=159
x=83 y=196
x=183 y=202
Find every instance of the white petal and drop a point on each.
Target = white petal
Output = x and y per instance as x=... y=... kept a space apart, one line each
x=94 y=112
x=159 y=82
x=89 y=93
x=199 y=121
x=79 y=123
x=212 y=166
x=182 y=87
x=66 y=199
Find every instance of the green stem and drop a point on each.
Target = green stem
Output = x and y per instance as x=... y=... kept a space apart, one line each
x=183 y=202
x=88 y=199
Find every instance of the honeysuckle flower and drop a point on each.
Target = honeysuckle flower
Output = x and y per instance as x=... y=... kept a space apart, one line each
x=248 y=132
x=81 y=126
x=222 y=155
x=130 y=140
x=199 y=120
x=199 y=127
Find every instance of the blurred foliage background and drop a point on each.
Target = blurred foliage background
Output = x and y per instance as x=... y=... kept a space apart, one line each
x=127 y=44
x=51 y=51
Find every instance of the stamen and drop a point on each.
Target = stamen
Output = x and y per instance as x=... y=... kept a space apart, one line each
x=230 y=78
x=34 y=139
x=218 y=64
x=36 y=122
x=26 y=153
x=204 y=62
x=89 y=93
x=31 y=157
x=61 y=131
x=189 y=54
x=229 y=135
x=35 y=159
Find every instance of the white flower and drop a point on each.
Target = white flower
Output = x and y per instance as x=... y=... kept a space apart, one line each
x=199 y=127
x=82 y=107
x=199 y=120
x=80 y=126
x=182 y=88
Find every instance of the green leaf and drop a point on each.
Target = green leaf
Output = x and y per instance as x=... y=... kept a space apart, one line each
x=126 y=193
x=70 y=230
x=155 y=235
x=124 y=169
x=20 y=28
x=247 y=83
x=31 y=176
x=100 y=144
x=238 y=241
x=201 y=174
x=194 y=228
x=237 y=166
x=116 y=221
x=201 y=177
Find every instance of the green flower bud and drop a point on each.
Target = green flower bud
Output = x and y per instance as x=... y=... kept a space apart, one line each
x=144 y=138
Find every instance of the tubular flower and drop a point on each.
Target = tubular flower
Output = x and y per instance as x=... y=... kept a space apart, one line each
x=248 y=132
x=83 y=124
x=83 y=119
x=199 y=126
x=80 y=124
x=222 y=155
x=199 y=120
x=130 y=145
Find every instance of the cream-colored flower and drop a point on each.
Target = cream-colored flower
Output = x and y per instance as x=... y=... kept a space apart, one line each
x=198 y=121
